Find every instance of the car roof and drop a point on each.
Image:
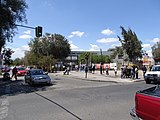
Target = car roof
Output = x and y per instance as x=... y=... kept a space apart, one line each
x=35 y=69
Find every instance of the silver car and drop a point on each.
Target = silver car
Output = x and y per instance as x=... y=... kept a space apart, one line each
x=37 y=76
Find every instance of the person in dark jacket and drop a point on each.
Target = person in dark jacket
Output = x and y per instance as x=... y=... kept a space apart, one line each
x=14 y=73
x=144 y=69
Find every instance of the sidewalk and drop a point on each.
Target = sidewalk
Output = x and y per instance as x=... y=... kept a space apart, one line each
x=98 y=77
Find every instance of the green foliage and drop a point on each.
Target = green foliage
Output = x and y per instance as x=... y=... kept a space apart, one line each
x=59 y=46
x=131 y=44
x=118 y=51
x=7 y=52
x=17 y=61
x=156 y=50
x=45 y=51
x=82 y=57
x=51 y=45
x=32 y=58
x=12 y=12
x=94 y=58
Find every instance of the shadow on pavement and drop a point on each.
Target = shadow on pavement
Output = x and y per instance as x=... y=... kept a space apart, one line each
x=9 y=87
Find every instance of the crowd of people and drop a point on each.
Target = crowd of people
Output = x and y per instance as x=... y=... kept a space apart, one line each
x=126 y=71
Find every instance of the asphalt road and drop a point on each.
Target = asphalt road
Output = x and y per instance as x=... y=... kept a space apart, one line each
x=68 y=99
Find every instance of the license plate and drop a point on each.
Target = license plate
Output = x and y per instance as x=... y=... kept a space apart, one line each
x=152 y=78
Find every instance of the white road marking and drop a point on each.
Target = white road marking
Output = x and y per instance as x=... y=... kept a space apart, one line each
x=4 y=104
x=4 y=108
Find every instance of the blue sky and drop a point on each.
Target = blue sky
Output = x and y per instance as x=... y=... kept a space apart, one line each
x=90 y=24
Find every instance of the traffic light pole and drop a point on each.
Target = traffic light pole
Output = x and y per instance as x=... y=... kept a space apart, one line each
x=38 y=29
x=26 y=26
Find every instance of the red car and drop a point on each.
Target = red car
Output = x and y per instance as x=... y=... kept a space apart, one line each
x=21 y=71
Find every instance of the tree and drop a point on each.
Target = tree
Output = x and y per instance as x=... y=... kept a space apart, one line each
x=54 y=45
x=156 y=50
x=117 y=51
x=131 y=45
x=32 y=58
x=16 y=62
x=11 y=12
x=59 y=46
x=7 y=52
x=45 y=51
x=93 y=58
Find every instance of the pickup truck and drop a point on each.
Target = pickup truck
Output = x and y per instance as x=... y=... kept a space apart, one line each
x=147 y=104
x=153 y=75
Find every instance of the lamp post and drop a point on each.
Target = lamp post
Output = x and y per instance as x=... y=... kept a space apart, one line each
x=101 y=68
x=101 y=54
x=86 y=68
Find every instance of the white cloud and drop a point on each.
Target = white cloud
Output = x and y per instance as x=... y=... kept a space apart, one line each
x=48 y=3
x=19 y=52
x=25 y=36
x=107 y=32
x=156 y=40
x=146 y=45
x=107 y=40
x=116 y=45
x=70 y=36
x=73 y=47
x=76 y=33
x=27 y=32
x=94 y=47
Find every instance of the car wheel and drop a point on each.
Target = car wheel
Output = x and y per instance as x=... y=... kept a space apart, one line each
x=31 y=83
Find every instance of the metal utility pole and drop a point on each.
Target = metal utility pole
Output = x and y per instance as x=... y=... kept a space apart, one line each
x=101 y=68
x=101 y=54
x=26 y=26
x=38 y=29
x=86 y=68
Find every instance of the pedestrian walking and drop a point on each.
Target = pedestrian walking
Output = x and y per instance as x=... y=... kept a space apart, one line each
x=123 y=71
x=115 y=70
x=133 y=72
x=93 y=68
x=101 y=68
x=144 y=69
x=67 y=69
x=136 y=71
x=14 y=73
x=107 y=69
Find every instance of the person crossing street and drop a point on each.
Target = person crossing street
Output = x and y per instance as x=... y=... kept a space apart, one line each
x=14 y=73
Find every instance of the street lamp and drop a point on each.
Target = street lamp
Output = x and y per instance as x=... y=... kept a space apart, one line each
x=86 y=68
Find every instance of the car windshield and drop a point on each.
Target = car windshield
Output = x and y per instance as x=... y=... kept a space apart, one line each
x=37 y=72
x=155 y=68
x=20 y=68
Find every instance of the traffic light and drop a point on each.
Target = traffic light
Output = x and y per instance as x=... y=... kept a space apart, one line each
x=38 y=31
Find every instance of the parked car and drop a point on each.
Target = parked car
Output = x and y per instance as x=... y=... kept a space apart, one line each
x=21 y=71
x=37 y=76
x=6 y=76
x=5 y=69
x=153 y=75
x=147 y=104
